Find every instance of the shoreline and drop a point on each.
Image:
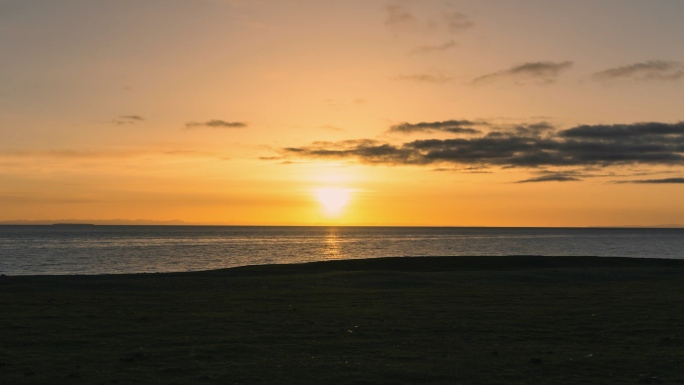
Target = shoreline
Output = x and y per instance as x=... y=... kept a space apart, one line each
x=419 y=264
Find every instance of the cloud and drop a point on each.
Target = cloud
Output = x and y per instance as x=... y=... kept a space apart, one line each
x=426 y=78
x=657 y=181
x=624 y=131
x=526 y=146
x=451 y=126
x=27 y=198
x=333 y=128
x=189 y=153
x=544 y=72
x=368 y=151
x=128 y=119
x=398 y=16
x=456 y=22
x=655 y=70
x=551 y=178
x=463 y=170
x=215 y=123
x=132 y=117
x=99 y=154
x=105 y=154
x=426 y=49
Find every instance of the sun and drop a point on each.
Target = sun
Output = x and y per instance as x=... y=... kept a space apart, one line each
x=333 y=199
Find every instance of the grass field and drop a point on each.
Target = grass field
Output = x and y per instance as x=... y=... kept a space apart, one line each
x=448 y=320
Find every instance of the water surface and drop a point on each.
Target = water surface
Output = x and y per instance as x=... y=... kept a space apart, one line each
x=28 y=250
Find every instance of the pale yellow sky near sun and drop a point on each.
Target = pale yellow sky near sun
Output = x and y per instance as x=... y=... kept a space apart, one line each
x=106 y=111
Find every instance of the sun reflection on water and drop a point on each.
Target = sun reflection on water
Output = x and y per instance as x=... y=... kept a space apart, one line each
x=332 y=244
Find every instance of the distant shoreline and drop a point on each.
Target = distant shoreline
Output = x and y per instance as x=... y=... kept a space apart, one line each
x=73 y=224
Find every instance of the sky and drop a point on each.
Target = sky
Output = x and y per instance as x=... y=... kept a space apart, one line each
x=373 y=112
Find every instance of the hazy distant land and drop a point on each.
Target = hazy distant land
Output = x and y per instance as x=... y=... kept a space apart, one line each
x=442 y=320
x=96 y=222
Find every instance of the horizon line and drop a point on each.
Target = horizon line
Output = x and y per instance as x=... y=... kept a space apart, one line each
x=176 y=222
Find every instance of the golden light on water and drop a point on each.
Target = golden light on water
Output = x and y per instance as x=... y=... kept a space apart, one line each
x=332 y=244
x=333 y=199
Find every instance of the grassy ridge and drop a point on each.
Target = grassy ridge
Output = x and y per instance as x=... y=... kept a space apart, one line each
x=466 y=320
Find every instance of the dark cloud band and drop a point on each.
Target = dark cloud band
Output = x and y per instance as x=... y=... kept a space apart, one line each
x=451 y=126
x=529 y=146
x=658 y=181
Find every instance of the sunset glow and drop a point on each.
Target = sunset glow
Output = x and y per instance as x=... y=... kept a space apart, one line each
x=442 y=112
x=333 y=199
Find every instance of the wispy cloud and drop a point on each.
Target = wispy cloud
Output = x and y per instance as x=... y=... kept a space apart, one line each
x=28 y=198
x=435 y=28
x=398 y=16
x=456 y=22
x=215 y=123
x=426 y=49
x=551 y=178
x=526 y=146
x=105 y=154
x=437 y=78
x=655 y=70
x=270 y=158
x=463 y=170
x=122 y=120
x=543 y=72
x=99 y=154
x=330 y=127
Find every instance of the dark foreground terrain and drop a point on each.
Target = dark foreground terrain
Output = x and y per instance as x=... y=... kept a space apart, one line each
x=461 y=320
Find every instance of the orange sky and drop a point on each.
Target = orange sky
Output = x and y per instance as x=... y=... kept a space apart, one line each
x=450 y=113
